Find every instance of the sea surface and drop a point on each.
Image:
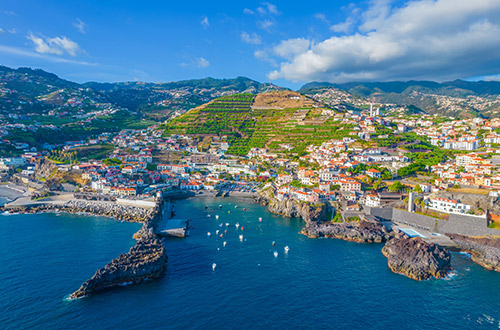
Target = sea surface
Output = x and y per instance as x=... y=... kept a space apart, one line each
x=319 y=283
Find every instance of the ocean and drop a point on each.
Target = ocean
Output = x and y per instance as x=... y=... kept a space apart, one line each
x=319 y=283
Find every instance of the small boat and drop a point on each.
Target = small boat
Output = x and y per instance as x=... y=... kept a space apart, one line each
x=217 y=217
x=208 y=234
x=217 y=232
x=275 y=254
x=227 y=224
x=228 y=212
x=242 y=228
x=220 y=225
x=206 y=206
x=213 y=266
x=244 y=209
x=224 y=244
x=237 y=225
x=236 y=206
x=220 y=206
x=225 y=232
x=209 y=215
x=260 y=219
x=287 y=249
x=274 y=243
x=241 y=238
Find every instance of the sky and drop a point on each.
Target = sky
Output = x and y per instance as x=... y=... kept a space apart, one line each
x=288 y=43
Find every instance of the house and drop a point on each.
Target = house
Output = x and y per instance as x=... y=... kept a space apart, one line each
x=448 y=205
x=372 y=200
x=373 y=173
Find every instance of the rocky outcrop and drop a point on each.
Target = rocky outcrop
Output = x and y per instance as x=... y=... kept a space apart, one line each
x=415 y=258
x=484 y=251
x=359 y=231
x=44 y=168
x=289 y=207
x=146 y=260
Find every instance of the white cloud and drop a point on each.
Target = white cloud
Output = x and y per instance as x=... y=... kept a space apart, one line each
x=322 y=17
x=266 y=25
x=80 y=25
x=204 y=22
x=253 y=39
x=22 y=52
x=268 y=8
x=12 y=31
x=248 y=11
x=2 y=31
x=344 y=27
x=9 y=12
x=57 y=45
x=264 y=56
x=291 y=47
x=423 y=39
x=202 y=63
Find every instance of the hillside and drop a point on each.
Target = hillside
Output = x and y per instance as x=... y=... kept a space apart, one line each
x=457 y=98
x=43 y=108
x=277 y=120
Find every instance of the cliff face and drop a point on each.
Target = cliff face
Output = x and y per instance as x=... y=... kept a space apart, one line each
x=291 y=208
x=415 y=258
x=43 y=168
x=484 y=251
x=360 y=232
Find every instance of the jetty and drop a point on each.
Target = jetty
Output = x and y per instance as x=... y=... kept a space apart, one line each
x=174 y=228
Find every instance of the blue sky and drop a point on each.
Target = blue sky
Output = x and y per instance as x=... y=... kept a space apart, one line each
x=287 y=43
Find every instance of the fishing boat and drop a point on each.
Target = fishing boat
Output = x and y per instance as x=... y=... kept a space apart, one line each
x=275 y=254
x=287 y=249
x=241 y=238
x=213 y=266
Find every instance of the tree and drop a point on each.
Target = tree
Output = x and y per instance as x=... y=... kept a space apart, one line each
x=418 y=189
x=396 y=186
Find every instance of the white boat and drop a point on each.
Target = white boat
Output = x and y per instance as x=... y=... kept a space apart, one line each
x=217 y=217
x=275 y=254
x=260 y=219
x=236 y=206
x=213 y=266
x=208 y=234
x=237 y=225
x=209 y=215
x=217 y=232
x=220 y=206
x=224 y=244
x=241 y=238
x=287 y=249
x=227 y=224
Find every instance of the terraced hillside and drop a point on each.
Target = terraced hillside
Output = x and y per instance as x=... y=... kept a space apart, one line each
x=276 y=120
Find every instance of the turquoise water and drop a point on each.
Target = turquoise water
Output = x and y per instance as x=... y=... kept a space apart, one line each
x=318 y=284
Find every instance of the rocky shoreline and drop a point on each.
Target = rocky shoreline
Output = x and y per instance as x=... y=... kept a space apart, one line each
x=289 y=207
x=484 y=251
x=415 y=258
x=358 y=231
x=144 y=261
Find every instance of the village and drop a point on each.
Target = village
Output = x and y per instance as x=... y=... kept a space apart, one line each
x=349 y=175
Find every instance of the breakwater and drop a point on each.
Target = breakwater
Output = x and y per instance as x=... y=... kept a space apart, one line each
x=146 y=260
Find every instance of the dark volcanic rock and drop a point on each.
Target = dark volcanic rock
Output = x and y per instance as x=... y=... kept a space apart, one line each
x=146 y=260
x=484 y=251
x=359 y=231
x=415 y=258
x=291 y=208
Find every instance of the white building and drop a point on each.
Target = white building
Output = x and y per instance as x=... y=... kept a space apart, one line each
x=448 y=205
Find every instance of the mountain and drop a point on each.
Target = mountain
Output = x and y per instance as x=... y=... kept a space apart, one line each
x=41 y=107
x=458 y=98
